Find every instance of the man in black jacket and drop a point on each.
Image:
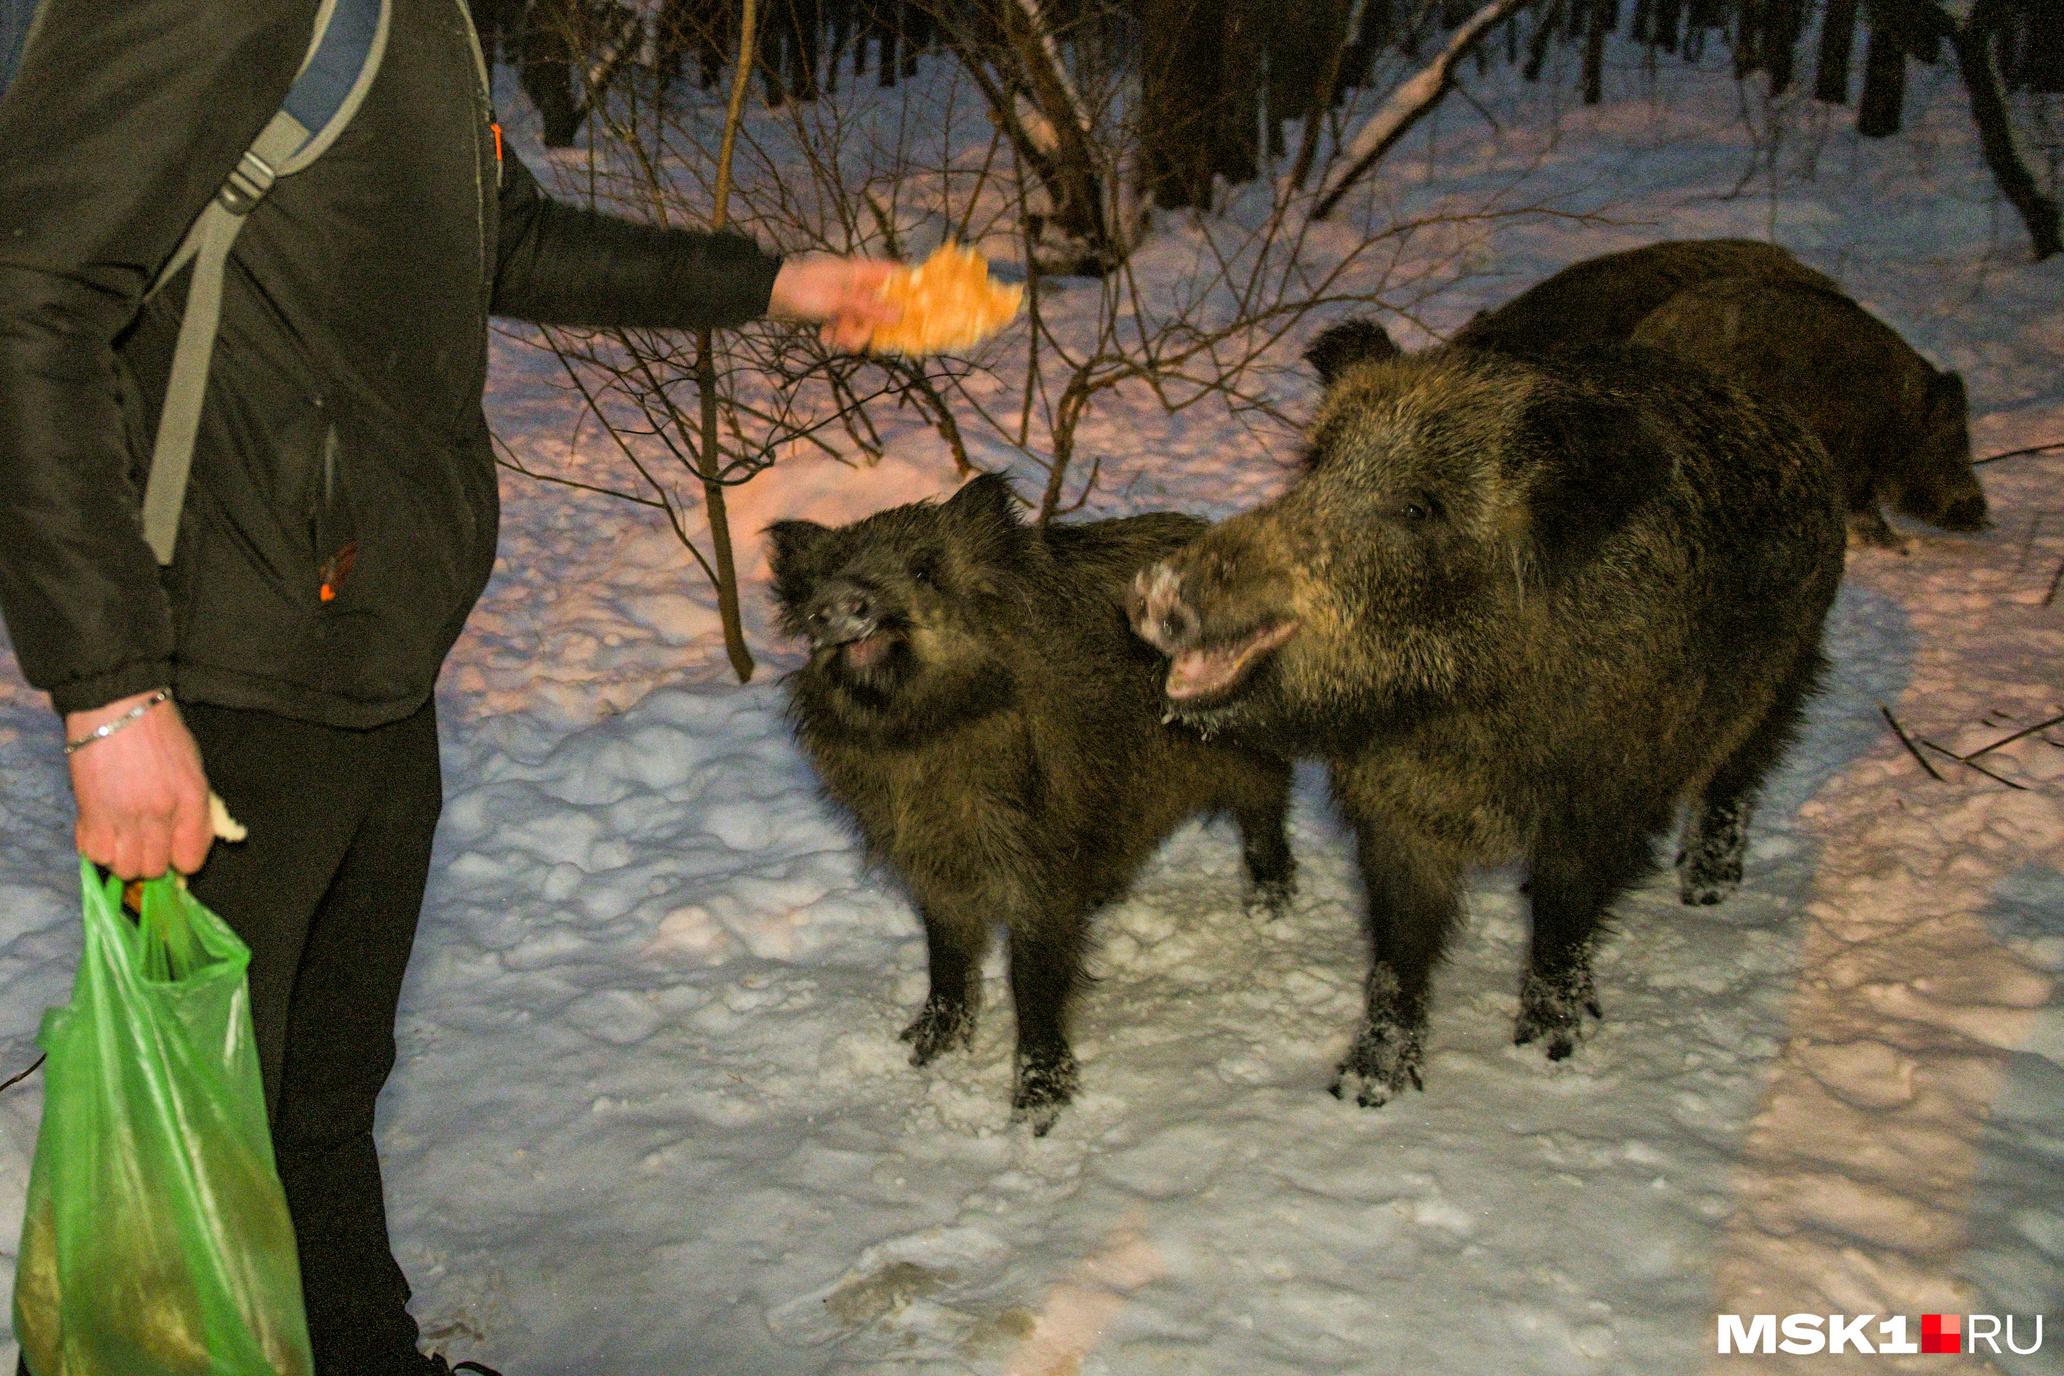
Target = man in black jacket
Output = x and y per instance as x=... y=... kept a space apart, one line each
x=340 y=521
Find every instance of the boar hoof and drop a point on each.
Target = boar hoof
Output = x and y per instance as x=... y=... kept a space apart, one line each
x=1552 y=1009
x=1703 y=881
x=1267 y=900
x=936 y=1029
x=1385 y=1059
x=1045 y=1085
x=1869 y=530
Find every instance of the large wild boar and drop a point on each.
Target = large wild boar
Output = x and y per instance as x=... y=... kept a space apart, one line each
x=1602 y=300
x=1521 y=609
x=1896 y=428
x=974 y=699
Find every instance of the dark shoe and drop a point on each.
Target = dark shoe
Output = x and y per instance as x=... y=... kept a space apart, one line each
x=437 y=1366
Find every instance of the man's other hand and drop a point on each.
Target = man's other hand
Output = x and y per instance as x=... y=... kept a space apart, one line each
x=142 y=796
x=843 y=295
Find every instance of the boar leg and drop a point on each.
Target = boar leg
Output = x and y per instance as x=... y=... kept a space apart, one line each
x=1716 y=835
x=1579 y=867
x=1868 y=528
x=1262 y=811
x=948 y=1017
x=1045 y=961
x=1412 y=905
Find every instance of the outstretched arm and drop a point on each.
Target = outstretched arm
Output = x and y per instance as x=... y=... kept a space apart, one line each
x=561 y=264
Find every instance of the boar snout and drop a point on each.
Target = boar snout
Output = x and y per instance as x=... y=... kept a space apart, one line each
x=1964 y=513
x=1214 y=635
x=841 y=612
x=1157 y=611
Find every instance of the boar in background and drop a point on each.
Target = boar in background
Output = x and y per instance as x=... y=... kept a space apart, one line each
x=1897 y=429
x=1603 y=300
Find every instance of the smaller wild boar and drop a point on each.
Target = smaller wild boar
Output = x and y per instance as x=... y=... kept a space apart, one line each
x=1523 y=608
x=1896 y=428
x=974 y=699
x=1601 y=300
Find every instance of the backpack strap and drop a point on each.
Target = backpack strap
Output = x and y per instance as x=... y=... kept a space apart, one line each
x=18 y=21
x=343 y=57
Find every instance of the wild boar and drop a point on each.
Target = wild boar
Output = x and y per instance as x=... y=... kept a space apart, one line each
x=974 y=700
x=1522 y=609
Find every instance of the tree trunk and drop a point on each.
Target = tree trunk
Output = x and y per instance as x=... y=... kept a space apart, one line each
x=1782 y=20
x=1180 y=89
x=708 y=464
x=2042 y=47
x=547 y=70
x=1007 y=51
x=1750 y=18
x=1545 y=29
x=1408 y=104
x=1236 y=135
x=1327 y=94
x=1884 y=83
x=1605 y=16
x=1372 y=38
x=1669 y=20
x=1837 y=38
x=1973 y=41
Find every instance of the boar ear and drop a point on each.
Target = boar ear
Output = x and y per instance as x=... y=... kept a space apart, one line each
x=986 y=500
x=790 y=545
x=1598 y=464
x=1340 y=347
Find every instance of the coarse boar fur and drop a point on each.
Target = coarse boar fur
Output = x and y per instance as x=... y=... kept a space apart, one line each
x=1602 y=300
x=1521 y=609
x=974 y=699
x=1896 y=428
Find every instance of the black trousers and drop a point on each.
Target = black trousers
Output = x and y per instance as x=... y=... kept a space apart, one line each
x=326 y=892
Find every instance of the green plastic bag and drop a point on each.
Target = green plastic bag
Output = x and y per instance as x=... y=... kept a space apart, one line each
x=157 y=1241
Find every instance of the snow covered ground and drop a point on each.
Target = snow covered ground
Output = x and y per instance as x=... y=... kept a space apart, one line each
x=650 y=1112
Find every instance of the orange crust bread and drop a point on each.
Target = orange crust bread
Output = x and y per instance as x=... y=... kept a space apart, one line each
x=949 y=301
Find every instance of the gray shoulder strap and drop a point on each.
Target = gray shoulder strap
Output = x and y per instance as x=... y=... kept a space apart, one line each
x=344 y=54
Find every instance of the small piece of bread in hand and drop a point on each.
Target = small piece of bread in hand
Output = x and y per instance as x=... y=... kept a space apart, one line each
x=949 y=301
x=226 y=827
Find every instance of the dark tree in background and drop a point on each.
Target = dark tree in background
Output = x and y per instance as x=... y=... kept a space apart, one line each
x=1217 y=86
x=1837 y=41
x=1199 y=70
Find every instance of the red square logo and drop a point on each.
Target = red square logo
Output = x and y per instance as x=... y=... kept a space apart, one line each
x=1939 y=1332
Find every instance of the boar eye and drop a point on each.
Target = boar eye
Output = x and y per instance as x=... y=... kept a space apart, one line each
x=1416 y=508
x=926 y=572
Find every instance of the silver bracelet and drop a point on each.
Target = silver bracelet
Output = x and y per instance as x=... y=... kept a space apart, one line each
x=108 y=728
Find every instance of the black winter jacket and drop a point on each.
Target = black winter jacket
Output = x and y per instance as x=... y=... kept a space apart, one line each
x=344 y=405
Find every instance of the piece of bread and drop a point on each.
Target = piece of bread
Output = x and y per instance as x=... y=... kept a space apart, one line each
x=949 y=301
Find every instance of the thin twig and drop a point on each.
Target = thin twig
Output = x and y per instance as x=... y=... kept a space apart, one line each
x=1907 y=741
x=1973 y=764
x=2009 y=740
x=2017 y=453
x=2055 y=579
x=11 y=1081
